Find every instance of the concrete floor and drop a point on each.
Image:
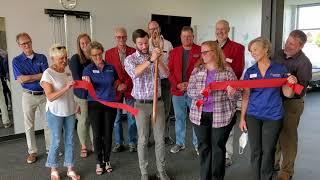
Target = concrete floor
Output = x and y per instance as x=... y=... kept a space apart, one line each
x=182 y=166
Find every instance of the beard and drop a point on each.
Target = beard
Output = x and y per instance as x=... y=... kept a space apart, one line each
x=143 y=51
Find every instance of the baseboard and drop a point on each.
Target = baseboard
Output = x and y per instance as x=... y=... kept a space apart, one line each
x=17 y=136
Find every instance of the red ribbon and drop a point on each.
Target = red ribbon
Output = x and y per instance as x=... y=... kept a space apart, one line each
x=89 y=87
x=261 y=83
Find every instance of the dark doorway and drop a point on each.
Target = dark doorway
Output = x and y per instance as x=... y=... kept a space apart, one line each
x=171 y=26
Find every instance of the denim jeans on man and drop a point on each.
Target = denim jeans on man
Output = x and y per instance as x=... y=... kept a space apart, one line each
x=132 y=128
x=56 y=124
x=180 y=104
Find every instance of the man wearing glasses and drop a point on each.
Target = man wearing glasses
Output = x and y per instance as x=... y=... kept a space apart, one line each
x=28 y=68
x=155 y=39
x=116 y=56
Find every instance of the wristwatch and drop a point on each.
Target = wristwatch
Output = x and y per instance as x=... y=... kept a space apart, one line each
x=149 y=59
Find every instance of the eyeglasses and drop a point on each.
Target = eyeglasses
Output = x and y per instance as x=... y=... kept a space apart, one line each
x=121 y=37
x=203 y=53
x=60 y=47
x=25 y=43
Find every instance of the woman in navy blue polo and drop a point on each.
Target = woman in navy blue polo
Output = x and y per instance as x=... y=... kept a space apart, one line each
x=262 y=110
x=103 y=78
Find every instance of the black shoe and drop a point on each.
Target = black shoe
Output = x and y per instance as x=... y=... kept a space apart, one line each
x=118 y=148
x=168 y=140
x=132 y=148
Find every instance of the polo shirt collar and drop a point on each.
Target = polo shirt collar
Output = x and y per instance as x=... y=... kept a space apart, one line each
x=24 y=56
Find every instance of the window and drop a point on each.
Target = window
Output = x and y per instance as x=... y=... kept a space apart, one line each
x=308 y=21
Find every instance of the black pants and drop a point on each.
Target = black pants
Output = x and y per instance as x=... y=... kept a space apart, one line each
x=166 y=97
x=102 y=121
x=212 y=147
x=263 y=136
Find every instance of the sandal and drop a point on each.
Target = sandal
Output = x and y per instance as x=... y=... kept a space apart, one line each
x=99 y=169
x=72 y=174
x=83 y=153
x=108 y=167
x=55 y=175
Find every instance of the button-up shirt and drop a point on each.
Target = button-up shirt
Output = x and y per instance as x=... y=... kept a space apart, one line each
x=223 y=106
x=143 y=84
x=22 y=65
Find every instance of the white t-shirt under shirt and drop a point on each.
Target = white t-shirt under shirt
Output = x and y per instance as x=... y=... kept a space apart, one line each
x=65 y=105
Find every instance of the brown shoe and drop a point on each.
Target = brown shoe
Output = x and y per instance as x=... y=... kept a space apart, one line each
x=32 y=158
x=283 y=176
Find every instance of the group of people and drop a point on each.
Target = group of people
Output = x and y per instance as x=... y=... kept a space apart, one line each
x=269 y=115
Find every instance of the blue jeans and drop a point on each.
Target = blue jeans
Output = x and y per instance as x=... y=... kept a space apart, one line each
x=56 y=124
x=132 y=128
x=180 y=104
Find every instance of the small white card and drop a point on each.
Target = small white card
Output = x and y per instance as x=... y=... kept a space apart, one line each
x=253 y=75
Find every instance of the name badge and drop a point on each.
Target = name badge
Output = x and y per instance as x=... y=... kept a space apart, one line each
x=196 y=55
x=253 y=76
x=96 y=71
x=275 y=75
x=229 y=60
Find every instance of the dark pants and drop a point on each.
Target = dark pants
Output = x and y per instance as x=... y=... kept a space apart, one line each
x=212 y=147
x=263 y=136
x=102 y=122
x=166 y=97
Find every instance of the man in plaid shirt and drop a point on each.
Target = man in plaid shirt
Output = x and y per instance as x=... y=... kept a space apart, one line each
x=140 y=67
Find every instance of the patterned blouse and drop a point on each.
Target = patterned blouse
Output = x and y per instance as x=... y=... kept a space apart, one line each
x=223 y=106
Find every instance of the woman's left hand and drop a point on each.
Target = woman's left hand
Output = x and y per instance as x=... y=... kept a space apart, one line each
x=231 y=91
x=292 y=79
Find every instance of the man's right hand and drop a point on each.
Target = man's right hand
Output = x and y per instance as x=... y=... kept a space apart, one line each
x=156 y=53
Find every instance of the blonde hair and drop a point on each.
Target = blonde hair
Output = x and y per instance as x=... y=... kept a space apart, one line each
x=220 y=61
x=264 y=42
x=57 y=50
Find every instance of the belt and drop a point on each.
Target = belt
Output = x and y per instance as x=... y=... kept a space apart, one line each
x=35 y=93
x=146 y=101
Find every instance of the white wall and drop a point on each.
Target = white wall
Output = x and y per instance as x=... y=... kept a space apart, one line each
x=244 y=15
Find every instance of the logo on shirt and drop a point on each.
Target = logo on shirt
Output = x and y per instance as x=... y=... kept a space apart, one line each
x=95 y=71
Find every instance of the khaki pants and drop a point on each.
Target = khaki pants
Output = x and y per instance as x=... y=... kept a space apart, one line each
x=30 y=103
x=143 y=122
x=83 y=126
x=288 y=140
x=3 y=107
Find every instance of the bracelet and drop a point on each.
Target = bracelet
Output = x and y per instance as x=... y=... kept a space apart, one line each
x=149 y=59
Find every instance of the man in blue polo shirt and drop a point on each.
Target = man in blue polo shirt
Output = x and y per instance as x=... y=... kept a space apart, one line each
x=28 y=68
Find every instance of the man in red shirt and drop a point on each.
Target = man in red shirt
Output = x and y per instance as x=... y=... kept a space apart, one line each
x=234 y=53
x=181 y=64
x=116 y=56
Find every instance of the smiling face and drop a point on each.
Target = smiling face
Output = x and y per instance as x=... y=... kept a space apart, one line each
x=96 y=56
x=208 y=54
x=257 y=51
x=60 y=61
x=84 y=42
x=292 y=46
x=186 y=38
x=222 y=31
